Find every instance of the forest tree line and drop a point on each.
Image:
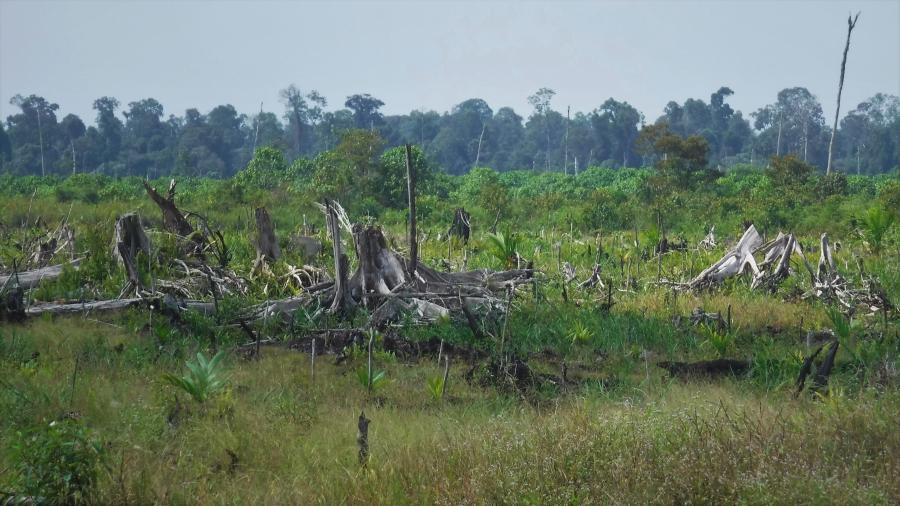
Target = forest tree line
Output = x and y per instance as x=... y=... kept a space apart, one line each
x=139 y=139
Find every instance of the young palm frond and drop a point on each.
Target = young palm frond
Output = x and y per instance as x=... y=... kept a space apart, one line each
x=203 y=380
x=875 y=224
x=504 y=247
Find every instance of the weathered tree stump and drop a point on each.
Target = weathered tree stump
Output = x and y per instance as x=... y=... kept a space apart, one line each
x=266 y=243
x=460 y=226
x=129 y=240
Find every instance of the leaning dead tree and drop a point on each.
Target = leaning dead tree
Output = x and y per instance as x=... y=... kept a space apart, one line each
x=851 y=23
x=173 y=220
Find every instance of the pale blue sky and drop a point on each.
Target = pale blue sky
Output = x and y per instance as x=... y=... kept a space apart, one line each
x=432 y=55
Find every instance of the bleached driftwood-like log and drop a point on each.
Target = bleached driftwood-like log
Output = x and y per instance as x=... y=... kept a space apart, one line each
x=33 y=278
x=83 y=307
x=594 y=280
x=733 y=263
x=775 y=267
x=709 y=242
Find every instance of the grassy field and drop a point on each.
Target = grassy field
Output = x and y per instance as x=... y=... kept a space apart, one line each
x=277 y=436
x=87 y=414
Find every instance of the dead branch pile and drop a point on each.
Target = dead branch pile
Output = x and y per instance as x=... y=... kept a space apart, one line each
x=389 y=285
x=827 y=283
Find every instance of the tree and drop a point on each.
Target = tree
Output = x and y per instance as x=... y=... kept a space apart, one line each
x=301 y=112
x=33 y=133
x=365 y=111
x=148 y=140
x=678 y=158
x=616 y=124
x=110 y=128
x=794 y=124
x=73 y=130
x=540 y=101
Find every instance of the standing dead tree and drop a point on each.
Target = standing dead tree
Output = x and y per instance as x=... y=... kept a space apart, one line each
x=851 y=23
x=411 y=192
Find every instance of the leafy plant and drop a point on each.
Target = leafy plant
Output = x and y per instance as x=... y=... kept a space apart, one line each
x=203 y=380
x=875 y=224
x=436 y=387
x=377 y=378
x=719 y=340
x=58 y=462
x=579 y=333
x=504 y=247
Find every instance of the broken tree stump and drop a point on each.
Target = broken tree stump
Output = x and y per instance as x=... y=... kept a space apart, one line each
x=460 y=226
x=266 y=243
x=362 y=438
x=129 y=240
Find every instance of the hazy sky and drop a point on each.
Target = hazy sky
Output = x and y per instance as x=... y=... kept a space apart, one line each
x=432 y=55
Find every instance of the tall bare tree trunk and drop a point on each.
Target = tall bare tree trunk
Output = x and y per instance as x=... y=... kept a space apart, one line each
x=851 y=23
x=566 y=162
x=480 y=138
x=778 y=142
x=411 y=190
x=41 y=140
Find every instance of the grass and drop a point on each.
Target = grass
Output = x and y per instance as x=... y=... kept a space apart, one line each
x=619 y=432
x=274 y=437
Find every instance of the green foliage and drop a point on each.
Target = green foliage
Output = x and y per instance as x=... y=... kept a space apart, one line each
x=579 y=333
x=436 y=388
x=391 y=181
x=204 y=379
x=58 y=462
x=367 y=382
x=267 y=169
x=875 y=225
x=718 y=339
x=788 y=171
x=504 y=247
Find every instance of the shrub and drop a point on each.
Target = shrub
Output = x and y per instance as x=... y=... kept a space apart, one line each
x=58 y=462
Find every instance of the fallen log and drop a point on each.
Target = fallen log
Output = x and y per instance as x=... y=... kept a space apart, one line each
x=33 y=278
x=709 y=368
x=83 y=307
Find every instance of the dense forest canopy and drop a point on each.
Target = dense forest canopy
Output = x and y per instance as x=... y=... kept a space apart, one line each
x=140 y=139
